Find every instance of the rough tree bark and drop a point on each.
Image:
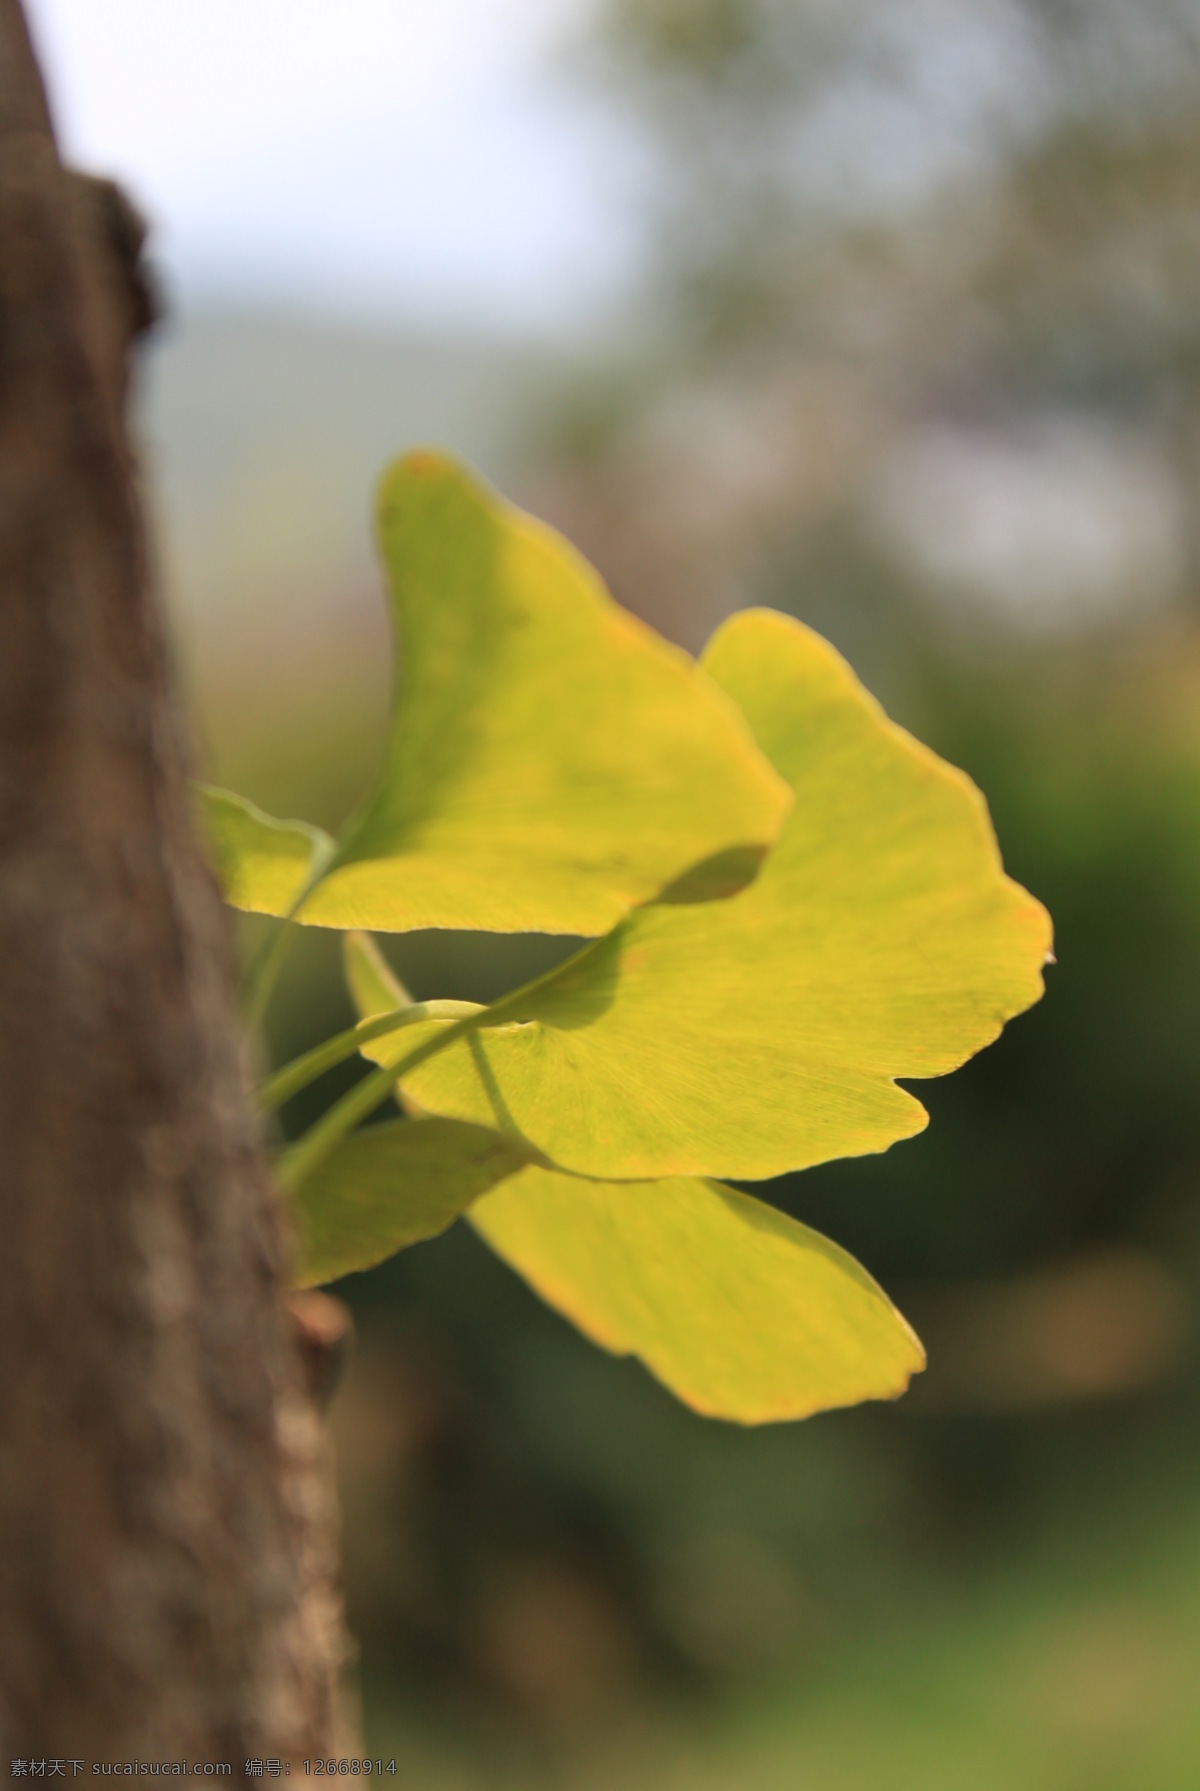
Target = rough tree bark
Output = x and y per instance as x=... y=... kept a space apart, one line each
x=167 y=1544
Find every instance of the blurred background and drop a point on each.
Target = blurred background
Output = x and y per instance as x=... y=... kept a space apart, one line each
x=885 y=313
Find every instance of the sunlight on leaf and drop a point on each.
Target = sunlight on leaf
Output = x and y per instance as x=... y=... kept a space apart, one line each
x=763 y=1033
x=262 y=865
x=390 y=1186
x=552 y=762
x=739 y=1310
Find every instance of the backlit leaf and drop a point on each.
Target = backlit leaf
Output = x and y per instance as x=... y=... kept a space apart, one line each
x=390 y=1186
x=763 y=1033
x=552 y=762
x=740 y=1311
x=261 y=864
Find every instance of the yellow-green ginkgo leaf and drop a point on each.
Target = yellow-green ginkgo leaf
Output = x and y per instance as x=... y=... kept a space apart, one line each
x=552 y=762
x=373 y=984
x=739 y=1310
x=764 y=1033
x=390 y=1186
x=261 y=864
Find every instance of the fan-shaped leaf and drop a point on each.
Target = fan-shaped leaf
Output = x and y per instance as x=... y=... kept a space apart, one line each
x=390 y=1186
x=739 y=1310
x=764 y=1033
x=552 y=761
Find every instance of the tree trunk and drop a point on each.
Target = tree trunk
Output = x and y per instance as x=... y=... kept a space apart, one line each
x=167 y=1531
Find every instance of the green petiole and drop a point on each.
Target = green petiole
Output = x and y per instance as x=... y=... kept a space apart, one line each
x=311 y=1150
x=305 y=1069
x=264 y=972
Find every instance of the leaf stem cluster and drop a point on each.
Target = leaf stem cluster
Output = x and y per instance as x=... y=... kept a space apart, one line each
x=310 y=1151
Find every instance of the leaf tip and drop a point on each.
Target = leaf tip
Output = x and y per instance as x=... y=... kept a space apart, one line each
x=422 y=463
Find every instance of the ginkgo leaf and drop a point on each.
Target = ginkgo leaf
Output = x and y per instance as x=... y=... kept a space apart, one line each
x=262 y=864
x=552 y=761
x=390 y=1186
x=764 y=1033
x=373 y=984
x=739 y=1310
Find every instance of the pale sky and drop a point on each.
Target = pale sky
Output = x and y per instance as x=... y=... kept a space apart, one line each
x=386 y=157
